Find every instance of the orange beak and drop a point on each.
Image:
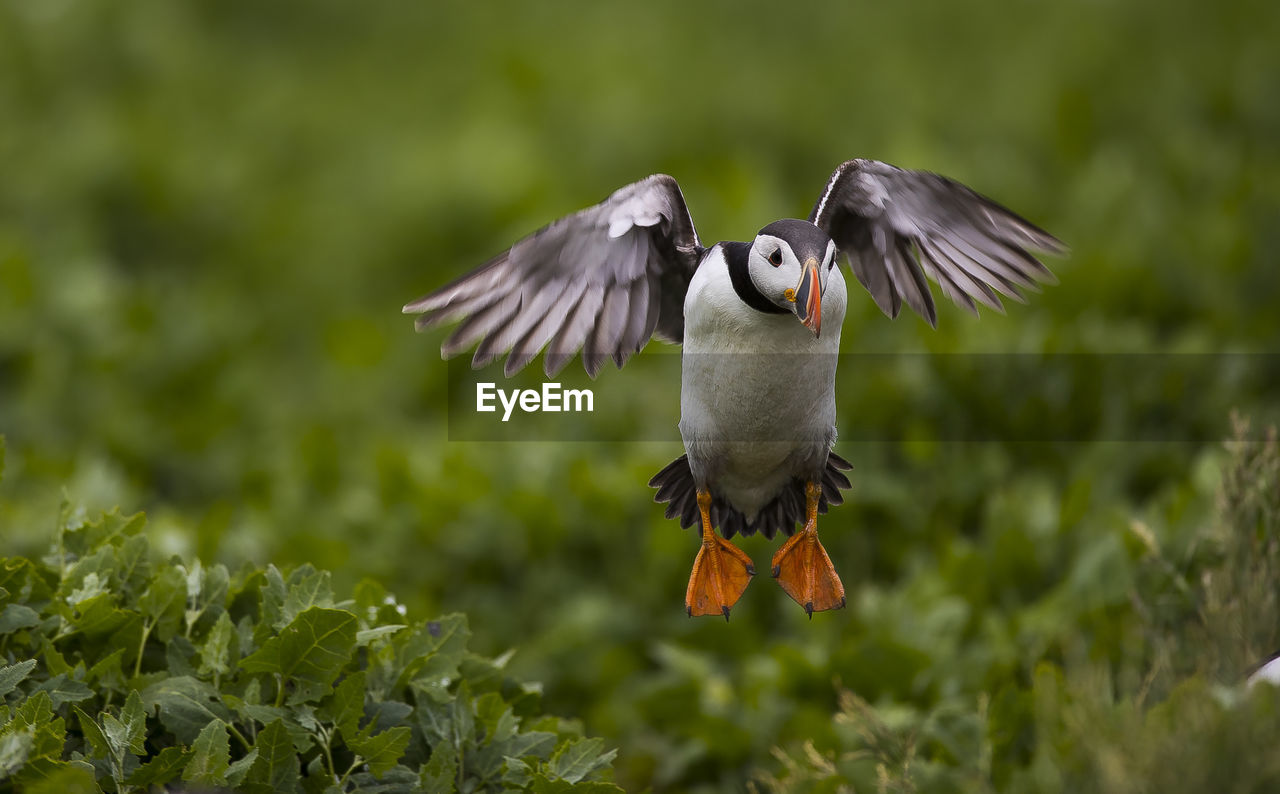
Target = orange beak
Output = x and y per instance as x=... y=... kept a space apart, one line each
x=809 y=298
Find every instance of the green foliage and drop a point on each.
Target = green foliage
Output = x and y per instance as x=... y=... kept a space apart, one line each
x=125 y=672
x=1189 y=722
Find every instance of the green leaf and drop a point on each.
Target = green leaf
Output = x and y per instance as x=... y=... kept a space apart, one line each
x=99 y=616
x=164 y=767
x=14 y=751
x=541 y=784
x=58 y=777
x=535 y=743
x=215 y=652
x=495 y=718
x=274 y=593
x=186 y=705
x=237 y=772
x=134 y=564
x=62 y=690
x=107 y=672
x=276 y=768
x=179 y=654
x=307 y=588
x=90 y=576
x=93 y=734
x=88 y=536
x=383 y=750
x=517 y=774
x=446 y=720
x=370 y=595
x=440 y=773
x=397 y=780
x=311 y=651
x=210 y=756
x=366 y=636
x=91 y=586
x=16 y=578
x=206 y=590
x=433 y=651
x=195 y=580
x=16 y=617
x=253 y=693
x=577 y=758
x=256 y=711
x=53 y=660
x=14 y=674
x=387 y=713
x=214 y=586
x=164 y=601
x=34 y=713
x=305 y=716
x=119 y=737
x=346 y=706
x=35 y=717
x=134 y=718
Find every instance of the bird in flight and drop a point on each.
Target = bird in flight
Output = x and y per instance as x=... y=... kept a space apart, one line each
x=759 y=323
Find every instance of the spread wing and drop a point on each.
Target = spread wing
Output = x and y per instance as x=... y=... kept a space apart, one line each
x=604 y=280
x=898 y=226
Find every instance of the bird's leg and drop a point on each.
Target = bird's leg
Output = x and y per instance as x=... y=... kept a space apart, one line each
x=721 y=571
x=802 y=566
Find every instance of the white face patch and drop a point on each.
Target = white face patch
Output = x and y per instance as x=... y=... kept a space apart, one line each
x=774 y=269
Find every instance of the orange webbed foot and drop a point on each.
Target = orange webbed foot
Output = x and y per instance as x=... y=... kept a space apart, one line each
x=721 y=571
x=803 y=568
x=805 y=572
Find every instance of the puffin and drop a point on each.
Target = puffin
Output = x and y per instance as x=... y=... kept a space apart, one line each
x=759 y=324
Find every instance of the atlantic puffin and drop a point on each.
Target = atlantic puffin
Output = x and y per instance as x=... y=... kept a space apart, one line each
x=760 y=325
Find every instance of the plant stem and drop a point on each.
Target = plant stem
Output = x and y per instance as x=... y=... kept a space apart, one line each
x=117 y=772
x=354 y=764
x=147 y=626
x=240 y=736
x=328 y=757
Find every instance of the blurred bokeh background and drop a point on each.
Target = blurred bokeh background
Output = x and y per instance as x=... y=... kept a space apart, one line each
x=211 y=213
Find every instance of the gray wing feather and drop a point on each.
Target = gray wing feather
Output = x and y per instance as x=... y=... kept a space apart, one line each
x=577 y=325
x=898 y=226
x=634 y=334
x=603 y=280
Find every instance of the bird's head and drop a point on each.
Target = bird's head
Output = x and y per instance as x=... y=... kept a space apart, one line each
x=789 y=263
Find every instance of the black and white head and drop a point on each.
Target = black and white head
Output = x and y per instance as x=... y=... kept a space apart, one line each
x=789 y=263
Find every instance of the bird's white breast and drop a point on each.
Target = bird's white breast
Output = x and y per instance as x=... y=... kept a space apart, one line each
x=757 y=400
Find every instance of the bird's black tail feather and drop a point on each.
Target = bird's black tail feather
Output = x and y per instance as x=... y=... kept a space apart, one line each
x=676 y=487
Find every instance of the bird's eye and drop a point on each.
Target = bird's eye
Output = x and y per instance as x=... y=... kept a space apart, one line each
x=775 y=258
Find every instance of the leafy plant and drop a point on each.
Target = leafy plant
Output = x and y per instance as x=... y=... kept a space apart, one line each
x=1189 y=722
x=123 y=673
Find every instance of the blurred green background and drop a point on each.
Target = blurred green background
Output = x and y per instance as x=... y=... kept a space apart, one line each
x=211 y=213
